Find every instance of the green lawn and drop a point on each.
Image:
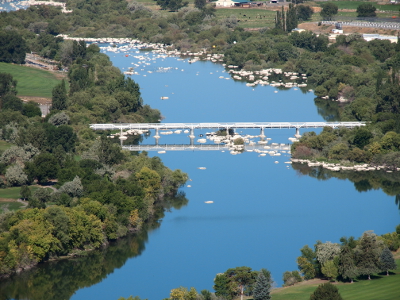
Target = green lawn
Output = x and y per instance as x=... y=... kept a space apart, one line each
x=13 y=192
x=31 y=81
x=355 y=4
x=4 y=145
x=249 y=18
x=380 y=287
x=10 y=206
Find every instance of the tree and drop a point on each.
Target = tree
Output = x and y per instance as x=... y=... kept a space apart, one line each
x=368 y=255
x=44 y=167
x=200 y=4
x=307 y=263
x=329 y=269
x=221 y=287
x=8 y=86
x=182 y=293
x=304 y=12
x=241 y=278
x=326 y=291
x=347 y=267
x=387 y=261
x=73 y=188
x=290 y=278
x=366 y=10
x=59 y=119
x=15 y=175
x=172 y=5
x=12 y=47
x=31 y=109
x=234 y=282
x=327 y=251
x=25 y=192
x=59 y=97
x=12 y=102
x=329 y=9
x=262 y=287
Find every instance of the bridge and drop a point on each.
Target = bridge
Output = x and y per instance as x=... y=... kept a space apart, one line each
x=224 y=125
x=206 y=147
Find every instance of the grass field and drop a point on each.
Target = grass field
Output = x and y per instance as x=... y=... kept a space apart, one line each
x=13 y=192
x=248 y=18
x=4 y=145
x=31 y=81
x=380 y=287
x=355 y=4
x=10 y=206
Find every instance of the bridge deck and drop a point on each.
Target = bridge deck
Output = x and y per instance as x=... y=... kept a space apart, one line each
x=204 y=147
x=243 y=125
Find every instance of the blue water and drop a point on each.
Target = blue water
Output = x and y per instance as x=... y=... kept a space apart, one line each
x=263 y=212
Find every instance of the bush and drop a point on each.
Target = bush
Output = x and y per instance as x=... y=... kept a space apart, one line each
x=326 y=291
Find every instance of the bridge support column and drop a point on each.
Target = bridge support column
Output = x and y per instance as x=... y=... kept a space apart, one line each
x=192 y=133
x=157 y=136
x=227 y=131
x=298 y=135
x=262 y=134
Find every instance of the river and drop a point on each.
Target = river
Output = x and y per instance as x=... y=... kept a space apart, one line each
x=262 y=213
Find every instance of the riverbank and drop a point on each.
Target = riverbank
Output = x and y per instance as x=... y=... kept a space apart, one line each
x=345 y=167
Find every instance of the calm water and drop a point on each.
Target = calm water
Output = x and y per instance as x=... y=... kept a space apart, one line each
x=263 y=212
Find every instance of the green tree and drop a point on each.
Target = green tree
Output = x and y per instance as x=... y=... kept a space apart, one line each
x=25 y=192
x=347 y=267
x=44 y=167
x=307 y=263
x=329 y=9
x=362 y=137
x=304 y=12
x=262 y=287
x=368 y=255
x=108 y=152
x=387 y=261
x=200 y=4
x=290 y=278
x=59 y=97
x=8 y=86
x=12 y=47
x=234 y=282
x=326 y=291
x=31 y=109
x=172 y=5
x=12 y=102
x=329 y=269
x=366 y=10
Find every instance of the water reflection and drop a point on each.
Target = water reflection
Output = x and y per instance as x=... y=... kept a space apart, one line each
x=328 y=109
x=388 y=182
x=61 y=279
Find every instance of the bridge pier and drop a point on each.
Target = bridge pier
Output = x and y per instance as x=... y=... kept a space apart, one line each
x=227 y=131
x=297 y=135
x=157 y=136
x=262 y=134
x=192 y=133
